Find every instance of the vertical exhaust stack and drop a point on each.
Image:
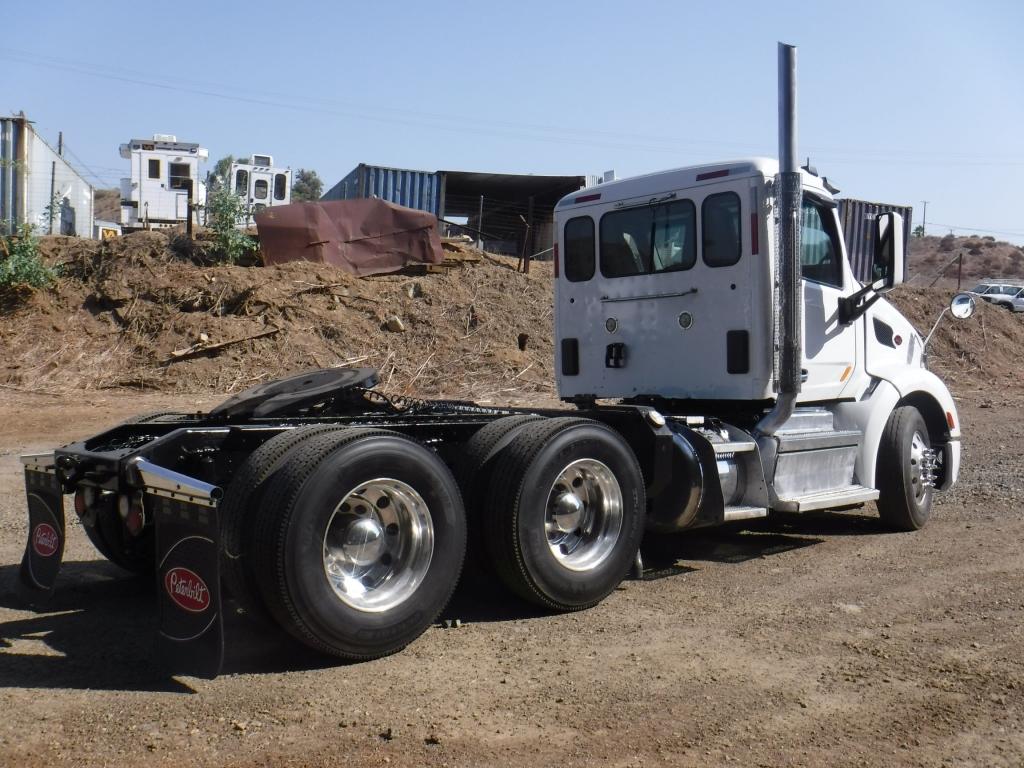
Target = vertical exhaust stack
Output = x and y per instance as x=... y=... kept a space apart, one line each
x=788 y=299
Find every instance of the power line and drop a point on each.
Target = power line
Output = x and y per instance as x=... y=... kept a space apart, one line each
x=575 y=134
x=979 y=229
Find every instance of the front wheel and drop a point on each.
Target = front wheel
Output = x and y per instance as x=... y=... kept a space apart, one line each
x=906 y=471
x=359 y=542
x=565 y=513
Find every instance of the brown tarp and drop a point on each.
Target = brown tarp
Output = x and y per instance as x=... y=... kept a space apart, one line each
x=365 y=237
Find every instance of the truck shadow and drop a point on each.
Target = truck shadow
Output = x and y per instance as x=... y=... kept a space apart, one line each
x=97 y=632
x=667 y=555
x=99 y=629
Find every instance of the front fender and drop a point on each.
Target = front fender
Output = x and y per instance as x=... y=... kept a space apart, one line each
x=928 y=393
x=910 y=381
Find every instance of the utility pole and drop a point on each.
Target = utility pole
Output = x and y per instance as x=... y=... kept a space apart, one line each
x=924 y=218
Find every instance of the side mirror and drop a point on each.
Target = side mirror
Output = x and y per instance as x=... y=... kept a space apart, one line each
x=888 y=260
x=962 y=306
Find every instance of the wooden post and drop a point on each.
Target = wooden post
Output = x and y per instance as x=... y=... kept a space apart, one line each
x=960 y=270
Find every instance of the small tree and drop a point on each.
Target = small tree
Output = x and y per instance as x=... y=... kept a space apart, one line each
x=306 y=186
x=919 y=230
x=20 y=263
x=223 y=211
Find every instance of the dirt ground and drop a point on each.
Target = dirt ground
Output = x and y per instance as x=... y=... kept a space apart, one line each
x=817 y=640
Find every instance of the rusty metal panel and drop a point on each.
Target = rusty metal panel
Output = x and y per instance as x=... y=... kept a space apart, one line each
x=857 y=218
x=364 y=237
x=413 y=189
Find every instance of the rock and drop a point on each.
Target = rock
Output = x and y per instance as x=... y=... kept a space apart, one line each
x=389 y=734
x=414 y=290
x=394 y=324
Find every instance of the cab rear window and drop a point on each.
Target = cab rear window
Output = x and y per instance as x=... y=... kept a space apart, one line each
x=579 y=249
x=649 y=239
x=720 y=225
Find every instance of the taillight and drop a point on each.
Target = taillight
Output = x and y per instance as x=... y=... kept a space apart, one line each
x=555 y=251
x=754 y=245
x=132 y=512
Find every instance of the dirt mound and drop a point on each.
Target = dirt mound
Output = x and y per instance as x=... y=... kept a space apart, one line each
x=980 y=352
x=130 y=313
x=983 y=258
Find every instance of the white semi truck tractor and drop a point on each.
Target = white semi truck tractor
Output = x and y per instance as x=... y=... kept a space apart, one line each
x=721 y=363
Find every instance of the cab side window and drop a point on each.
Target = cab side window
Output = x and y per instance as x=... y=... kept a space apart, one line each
x=579 y=249
x=819 y=245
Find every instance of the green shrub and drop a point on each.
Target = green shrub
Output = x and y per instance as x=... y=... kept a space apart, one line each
x=223 y=211
x=20 y=263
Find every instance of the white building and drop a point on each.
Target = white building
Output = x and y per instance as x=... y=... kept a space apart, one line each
x=38 y=186
x=156 y=193
x=260 y=184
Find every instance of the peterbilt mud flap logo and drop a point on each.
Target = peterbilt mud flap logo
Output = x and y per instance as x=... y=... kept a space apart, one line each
x=187 y=589
x=45 y=540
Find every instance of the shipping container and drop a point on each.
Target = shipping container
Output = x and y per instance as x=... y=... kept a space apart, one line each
x=421 y=190
x=38 y=186
x=858 y=218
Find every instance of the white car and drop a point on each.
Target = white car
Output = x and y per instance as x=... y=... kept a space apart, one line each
x=1007 y=295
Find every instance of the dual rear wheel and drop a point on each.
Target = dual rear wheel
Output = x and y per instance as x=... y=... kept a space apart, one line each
x=353 y=539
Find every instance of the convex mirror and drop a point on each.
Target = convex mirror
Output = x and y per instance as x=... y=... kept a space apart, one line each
x=962 y=306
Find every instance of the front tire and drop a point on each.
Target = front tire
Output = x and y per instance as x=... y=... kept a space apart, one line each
x=905 y=471
x=565 y=513
x=359 y=542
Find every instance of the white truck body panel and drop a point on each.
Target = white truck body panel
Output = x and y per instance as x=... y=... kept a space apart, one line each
x=155 y=193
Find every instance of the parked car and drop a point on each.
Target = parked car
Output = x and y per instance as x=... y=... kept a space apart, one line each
x=1007 y=295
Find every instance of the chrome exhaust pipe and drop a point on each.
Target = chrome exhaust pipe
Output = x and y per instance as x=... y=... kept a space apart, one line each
x=788 y=322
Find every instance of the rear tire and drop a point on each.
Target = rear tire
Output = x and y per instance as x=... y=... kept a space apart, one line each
x=566 y=513
x=904 y=502
x=359 y=542
x=241 y=499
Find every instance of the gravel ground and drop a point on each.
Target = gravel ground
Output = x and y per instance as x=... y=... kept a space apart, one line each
x=814 y=640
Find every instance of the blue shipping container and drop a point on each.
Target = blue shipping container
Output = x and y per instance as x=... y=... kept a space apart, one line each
x=422 y=190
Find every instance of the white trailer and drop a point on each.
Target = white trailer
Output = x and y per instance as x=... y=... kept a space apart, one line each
x=749 y=374
x=164 y=176
x=260 y=185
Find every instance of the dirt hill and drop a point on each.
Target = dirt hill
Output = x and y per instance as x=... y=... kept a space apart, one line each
x=107 y=204
x=130 y=313
x=983 y=258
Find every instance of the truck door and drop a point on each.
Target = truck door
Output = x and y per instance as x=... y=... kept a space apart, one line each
x=830 y=349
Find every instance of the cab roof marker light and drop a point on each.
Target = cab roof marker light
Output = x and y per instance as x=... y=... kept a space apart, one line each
x=712 y=174
x=588 y=198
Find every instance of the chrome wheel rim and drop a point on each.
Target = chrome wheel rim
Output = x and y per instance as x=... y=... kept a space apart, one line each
x=918 y=449
x=583 y=518
x=378 y=545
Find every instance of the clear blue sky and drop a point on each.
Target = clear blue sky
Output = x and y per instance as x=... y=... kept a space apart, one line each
x=898 y=102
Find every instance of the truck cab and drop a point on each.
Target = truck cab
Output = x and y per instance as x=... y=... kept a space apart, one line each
x=667 y=293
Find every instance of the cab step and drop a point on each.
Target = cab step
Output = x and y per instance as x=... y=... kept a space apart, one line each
x=736 y=446
x=838 y=497
x=744 y=513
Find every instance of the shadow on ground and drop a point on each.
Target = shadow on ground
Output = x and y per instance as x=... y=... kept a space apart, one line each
x=99 y=629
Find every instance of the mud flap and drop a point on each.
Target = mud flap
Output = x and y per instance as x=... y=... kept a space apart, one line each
x=44 y=550
x=191 y=640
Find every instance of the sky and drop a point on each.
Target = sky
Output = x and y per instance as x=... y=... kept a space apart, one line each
x=897 y=102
